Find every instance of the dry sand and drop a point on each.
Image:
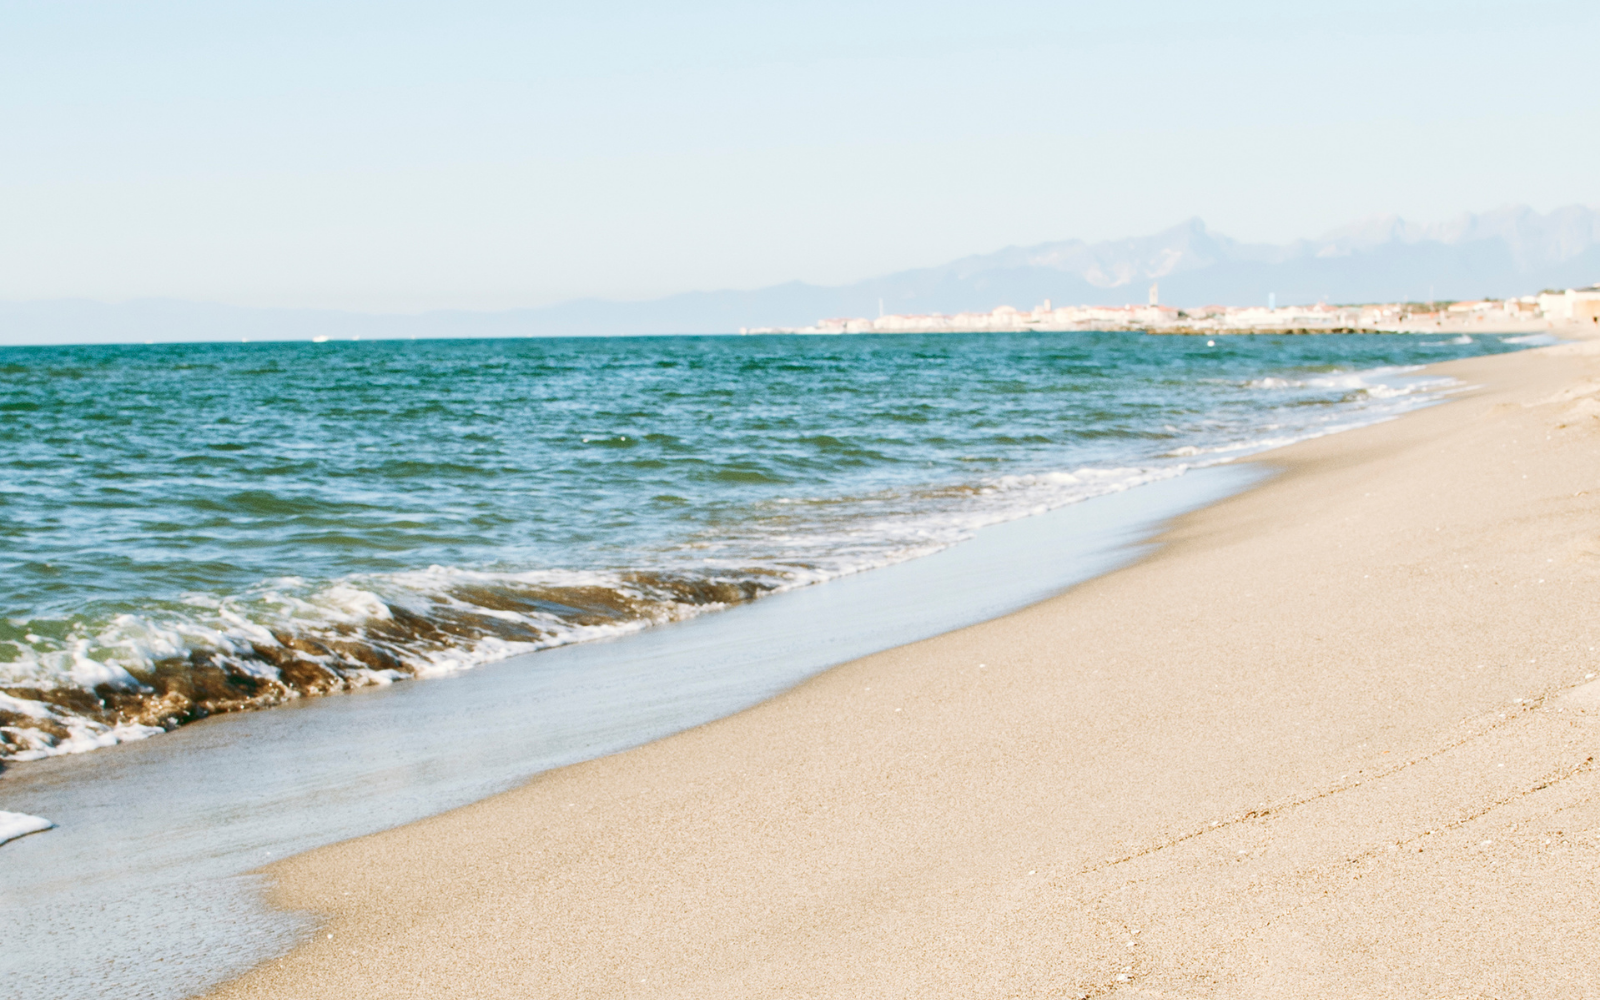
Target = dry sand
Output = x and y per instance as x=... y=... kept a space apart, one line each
x=1336 y=738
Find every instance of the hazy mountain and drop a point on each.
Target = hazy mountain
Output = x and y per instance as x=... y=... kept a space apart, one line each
x=1510 y=251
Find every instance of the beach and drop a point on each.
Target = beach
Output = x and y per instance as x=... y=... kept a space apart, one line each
x=1334 y=737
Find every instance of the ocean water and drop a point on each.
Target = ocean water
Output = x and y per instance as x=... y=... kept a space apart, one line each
x=194 y=529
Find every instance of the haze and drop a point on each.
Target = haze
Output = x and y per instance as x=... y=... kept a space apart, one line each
x=401 y=157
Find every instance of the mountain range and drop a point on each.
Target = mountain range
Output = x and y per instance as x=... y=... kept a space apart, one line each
x=1509 y=251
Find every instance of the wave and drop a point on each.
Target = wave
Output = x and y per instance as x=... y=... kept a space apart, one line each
x=1373 y=383
x=144 y=674
x=1533 y=339
x=136 y=674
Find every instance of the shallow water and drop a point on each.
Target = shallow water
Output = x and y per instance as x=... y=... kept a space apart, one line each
x=188 y=529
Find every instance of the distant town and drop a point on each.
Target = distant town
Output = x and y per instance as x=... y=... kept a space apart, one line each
x=1526 y=314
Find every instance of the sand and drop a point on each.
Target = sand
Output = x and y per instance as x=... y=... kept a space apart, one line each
x=1335 y=738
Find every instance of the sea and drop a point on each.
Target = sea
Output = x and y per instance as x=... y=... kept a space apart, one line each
x=191 y=530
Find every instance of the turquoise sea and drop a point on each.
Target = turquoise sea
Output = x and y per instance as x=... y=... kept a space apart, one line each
x=189 y=529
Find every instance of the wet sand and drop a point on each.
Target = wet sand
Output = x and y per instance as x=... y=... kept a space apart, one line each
x=1336 y=737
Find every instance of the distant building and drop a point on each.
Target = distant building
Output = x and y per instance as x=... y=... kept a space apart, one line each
x=1526 y=313
x=1575 y=304
x=1155 y=293
x=1584 y=304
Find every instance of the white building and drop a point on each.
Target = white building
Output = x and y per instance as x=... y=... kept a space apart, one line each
x=1575 y=304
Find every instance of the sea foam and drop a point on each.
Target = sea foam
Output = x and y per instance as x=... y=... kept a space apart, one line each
x=14 y=825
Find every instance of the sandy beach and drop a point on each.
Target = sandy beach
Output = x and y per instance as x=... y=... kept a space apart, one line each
x=1334 y=738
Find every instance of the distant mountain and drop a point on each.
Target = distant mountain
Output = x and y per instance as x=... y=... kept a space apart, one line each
x=1510 y=251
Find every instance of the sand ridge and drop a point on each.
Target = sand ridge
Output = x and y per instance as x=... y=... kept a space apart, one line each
x=1336 y=737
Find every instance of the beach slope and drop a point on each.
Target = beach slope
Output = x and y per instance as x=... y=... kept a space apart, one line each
x=1335 y=737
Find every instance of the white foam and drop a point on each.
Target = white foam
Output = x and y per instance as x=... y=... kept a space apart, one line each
x=89 y=673
x=1534 y=339
x=81 y=734
x=14 y=825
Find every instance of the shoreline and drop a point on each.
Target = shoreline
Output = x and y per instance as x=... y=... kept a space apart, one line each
x=1529 y=314
x=93 y=674
x=1334 y=737
x=185 y=820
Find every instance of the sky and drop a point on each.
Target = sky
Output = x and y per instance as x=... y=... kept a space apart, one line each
x=404 y=156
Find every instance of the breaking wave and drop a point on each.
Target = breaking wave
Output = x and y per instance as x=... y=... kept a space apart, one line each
x=145 y=674
x=773 y=514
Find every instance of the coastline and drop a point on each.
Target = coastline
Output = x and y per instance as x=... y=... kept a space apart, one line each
x=162 y=837
x=1527 y=315
x=704 y=512
x=1335 y=736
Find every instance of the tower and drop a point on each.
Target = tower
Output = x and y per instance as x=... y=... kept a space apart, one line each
x=1155 y=293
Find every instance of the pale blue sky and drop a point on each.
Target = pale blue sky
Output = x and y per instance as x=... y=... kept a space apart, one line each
x=401 y=156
